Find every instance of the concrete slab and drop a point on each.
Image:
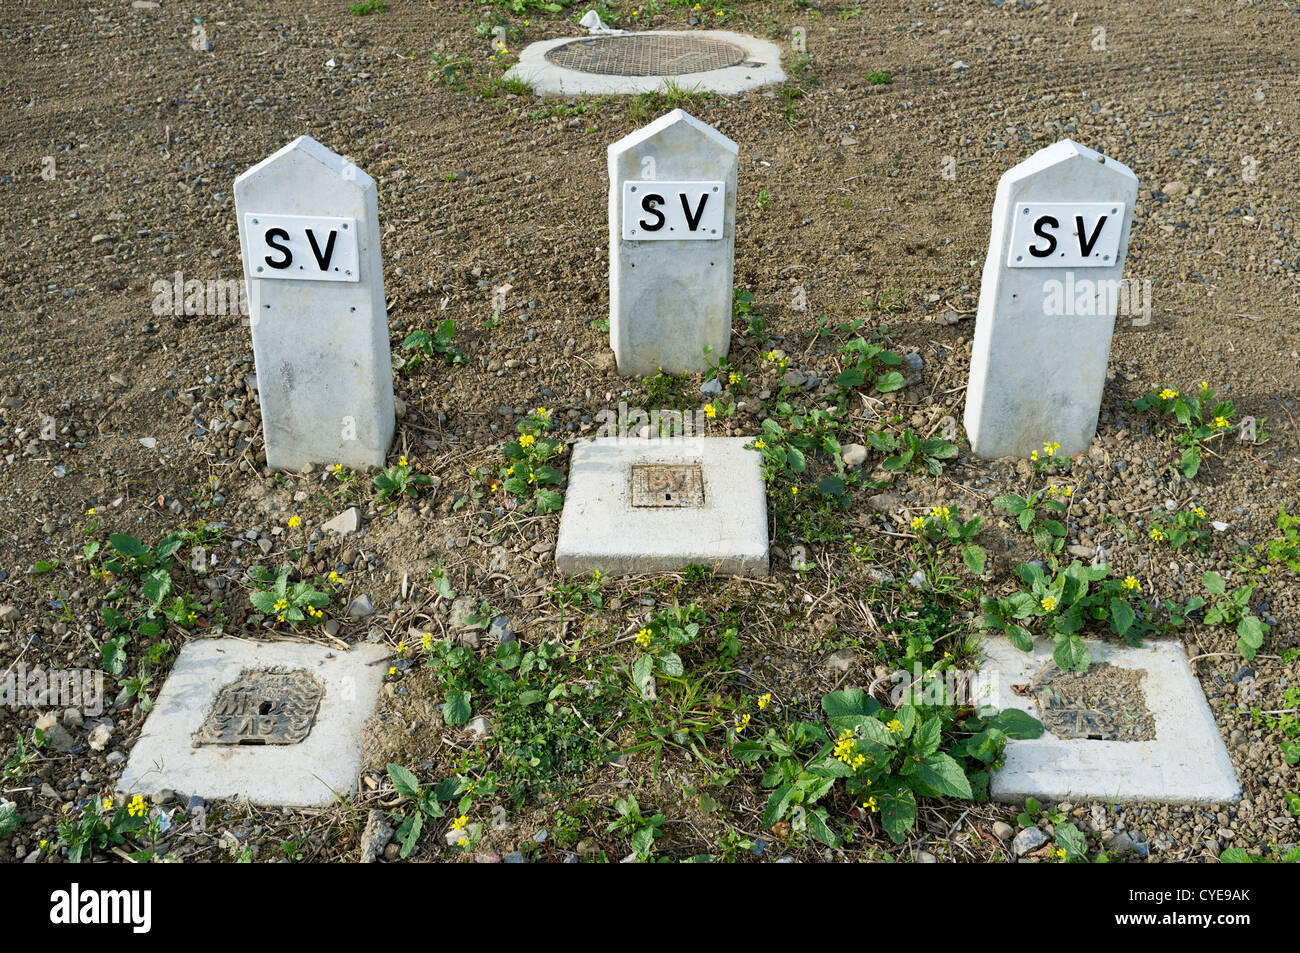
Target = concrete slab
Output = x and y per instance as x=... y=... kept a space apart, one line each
x=656 y=505
x=305 y=774
x=761 y=67
x=1186 y=763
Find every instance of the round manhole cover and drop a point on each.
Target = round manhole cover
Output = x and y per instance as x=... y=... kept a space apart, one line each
x=646 y=54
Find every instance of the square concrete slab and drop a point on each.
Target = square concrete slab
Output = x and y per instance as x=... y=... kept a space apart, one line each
x=656 y=505
x=277 y=722
x=1186 y=762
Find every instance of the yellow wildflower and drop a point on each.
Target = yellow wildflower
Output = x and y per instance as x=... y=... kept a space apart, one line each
x=1131 y=584
x=295 y=522
x=1048 y=603
x=759 y=444
x=1157 y=533
x=1200 y=512
x=1221 y=422
x=870 y=804
x=742 y=723
x=1168 y=394
x=894 y=726
x=527 y=440
x=764 y=701
x=710 y=411
x=137 y=807
x=108 y=803
x=643 y=637
x=917 y=523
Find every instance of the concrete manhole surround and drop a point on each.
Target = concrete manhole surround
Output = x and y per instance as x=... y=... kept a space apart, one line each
x=277 y=722
x=1186 y=762
x=700 y=60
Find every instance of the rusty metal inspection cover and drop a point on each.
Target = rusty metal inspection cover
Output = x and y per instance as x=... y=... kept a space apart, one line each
x=667 y=484
x=646 y=54
x=263 y=708
x=1106 y=703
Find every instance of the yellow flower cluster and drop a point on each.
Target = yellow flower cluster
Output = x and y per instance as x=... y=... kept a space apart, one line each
x=895 y=727
x=1048 y=603
x=917 y=523
x=844 y=747
x=733 y=377
x=941 y=513
x=710 y=411
x=137 y=807
x=1200 y=512
x=426 y=641
x=1222 y=422
x=742 y=723
x=1131 y=584
x=1157 y=533
x=1168 y=394
x=764 y=701
x=643 y=638
x=295 y=522
x=527 y=440
x=759 y=444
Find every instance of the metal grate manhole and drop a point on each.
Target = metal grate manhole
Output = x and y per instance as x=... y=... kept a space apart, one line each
x=1105 y=704
x=263 y=708
x=646 y=54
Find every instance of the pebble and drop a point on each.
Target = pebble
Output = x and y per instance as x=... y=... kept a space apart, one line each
x=100 y=736
x=1028 y=840
x=360 y=607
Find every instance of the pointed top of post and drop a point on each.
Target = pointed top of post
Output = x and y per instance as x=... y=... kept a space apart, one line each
x=308 y=155
x=1060 y=153
x=677 y=119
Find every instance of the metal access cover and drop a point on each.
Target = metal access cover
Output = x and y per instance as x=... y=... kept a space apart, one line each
x=1105 y=704
x=263 y=708
x=667 y=484
x=646 y=54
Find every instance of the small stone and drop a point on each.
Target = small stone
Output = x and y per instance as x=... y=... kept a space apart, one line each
x=839 y=661
x=360 y=607
x=9 y=615
x=480 y=727
x=925 y=857
x=1175 y=189
x=1120 y=844
x=711 y=388
x=72 y=718
x=1003 y=831
x=100 y=736
x=853 y=455
x=347 y=522
x=500 y=630
x=884 y=502
x=515 y=857
x=376 y=837
x=1028 y=840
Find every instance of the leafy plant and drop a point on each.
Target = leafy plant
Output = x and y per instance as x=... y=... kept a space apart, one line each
x=529 y=475
x=941 y=528
x=426 y=803
x=1066 y=604
x=1048 y=533
x=15 y=768
x=1196 y=418
x=630 y=821
x=99 y=827
x=1186 y=529
x=909 y=451
x=1233 y=609
x=295 y=604
x=869 y=361
x=888 y=759
x=393 y=483
x=428 y=343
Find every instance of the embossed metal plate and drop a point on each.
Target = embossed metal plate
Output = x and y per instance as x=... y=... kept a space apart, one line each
x=263 y=708
x=667 y=484
x=1104 y=704
x=646 y=54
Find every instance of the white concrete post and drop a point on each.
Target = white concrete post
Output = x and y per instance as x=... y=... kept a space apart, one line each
x=672 y=233
x=1048 y=299
x=309 y=235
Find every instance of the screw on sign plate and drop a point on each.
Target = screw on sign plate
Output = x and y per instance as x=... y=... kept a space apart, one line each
x=667 y=484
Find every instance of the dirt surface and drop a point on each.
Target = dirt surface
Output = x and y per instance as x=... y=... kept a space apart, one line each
x=120 y=144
